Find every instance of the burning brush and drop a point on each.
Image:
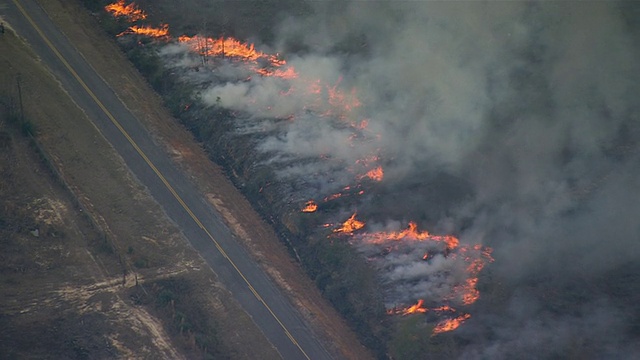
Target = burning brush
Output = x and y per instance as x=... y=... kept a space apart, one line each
x=417 y=261
x=423 y=268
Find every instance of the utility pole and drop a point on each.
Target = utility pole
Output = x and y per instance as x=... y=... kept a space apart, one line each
x=224 y=27
x=18 y=79
x=205 y=52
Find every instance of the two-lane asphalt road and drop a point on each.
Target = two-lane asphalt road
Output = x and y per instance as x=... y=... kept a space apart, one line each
x=200 y=223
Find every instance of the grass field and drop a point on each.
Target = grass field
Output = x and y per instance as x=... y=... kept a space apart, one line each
x=253 y=232
x=91 y=267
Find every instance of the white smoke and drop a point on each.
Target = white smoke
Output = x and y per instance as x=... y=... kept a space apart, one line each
x=533 y=105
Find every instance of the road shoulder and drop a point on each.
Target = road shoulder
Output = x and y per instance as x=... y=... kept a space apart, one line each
x=256 y=235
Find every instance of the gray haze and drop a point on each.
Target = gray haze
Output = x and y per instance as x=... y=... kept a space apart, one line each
x=529 y=113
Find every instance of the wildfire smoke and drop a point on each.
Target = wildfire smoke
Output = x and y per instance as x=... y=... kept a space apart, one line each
x=512 y=125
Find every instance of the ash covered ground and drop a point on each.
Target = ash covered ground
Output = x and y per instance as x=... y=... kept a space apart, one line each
x=511 y=125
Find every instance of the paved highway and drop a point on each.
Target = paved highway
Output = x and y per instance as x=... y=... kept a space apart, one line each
x=199 y=222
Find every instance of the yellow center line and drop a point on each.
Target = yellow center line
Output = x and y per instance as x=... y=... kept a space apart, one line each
x=154 y=168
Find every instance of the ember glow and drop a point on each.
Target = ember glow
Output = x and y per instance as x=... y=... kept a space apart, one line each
x=332 y=197
x=310 y=207
x=131 y=12
x=376 y=174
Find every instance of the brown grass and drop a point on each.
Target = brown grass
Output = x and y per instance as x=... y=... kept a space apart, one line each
x=255 y=234
x=70 y=288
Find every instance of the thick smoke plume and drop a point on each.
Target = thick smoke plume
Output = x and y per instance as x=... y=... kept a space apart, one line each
x=513 y=124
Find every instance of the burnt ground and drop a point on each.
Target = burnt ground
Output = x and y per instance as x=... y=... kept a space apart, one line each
x=255 y=234
x=91 y=267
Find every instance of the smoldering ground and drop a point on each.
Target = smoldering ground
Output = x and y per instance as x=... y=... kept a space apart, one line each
x=512 y=124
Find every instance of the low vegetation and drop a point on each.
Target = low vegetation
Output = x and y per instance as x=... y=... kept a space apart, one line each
x=84 y=268
x=343 y=277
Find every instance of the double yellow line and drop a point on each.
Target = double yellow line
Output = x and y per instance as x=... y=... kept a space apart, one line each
x=154 y=168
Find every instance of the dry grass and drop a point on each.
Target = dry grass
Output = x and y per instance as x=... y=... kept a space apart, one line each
x=69 y=291
x=257 y=236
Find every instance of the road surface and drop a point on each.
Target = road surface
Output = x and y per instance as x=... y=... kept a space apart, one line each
x=198 y=220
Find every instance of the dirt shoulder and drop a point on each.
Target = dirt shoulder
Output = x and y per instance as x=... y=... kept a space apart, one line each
x=256 y=235
x=91 y=266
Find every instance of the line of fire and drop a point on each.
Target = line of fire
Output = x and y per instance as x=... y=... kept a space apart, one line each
x=448 y=312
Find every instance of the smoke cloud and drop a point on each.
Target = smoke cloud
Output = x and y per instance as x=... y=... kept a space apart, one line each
x=512 y=124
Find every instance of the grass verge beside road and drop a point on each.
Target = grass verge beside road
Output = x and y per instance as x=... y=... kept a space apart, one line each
x=255 y=234
x=91 y=266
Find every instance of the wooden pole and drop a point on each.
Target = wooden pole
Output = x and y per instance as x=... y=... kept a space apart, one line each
x=18 y=79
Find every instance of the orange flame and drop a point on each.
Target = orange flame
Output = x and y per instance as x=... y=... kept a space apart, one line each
x=310 y=206
x=349 y=226
x=228 y=46
x=376 y=174
x=416 y=308
x=288 y=73
x=332 y=101
x=332 y=197
x=412 y=232
x=470 y=292
x=148 y=31
x=338 y=98
x=367 y=160
x=450 y=324
x=444 y=308
x=465 y=293
x=341 y=104
x=362 y=125
x=413 y=309
x=131 y=11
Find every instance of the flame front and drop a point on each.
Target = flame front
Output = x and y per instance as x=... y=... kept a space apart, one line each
x=204 y=46
x=230 y=47
x=412 y=233
x=150 y=31
x=463 y=291
x=450 y=324
x=376 y=174
x=131 y=11
x=349 y=226
x=333 y=101
x=226 y=46
x=310 y=206
x=416 y=308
